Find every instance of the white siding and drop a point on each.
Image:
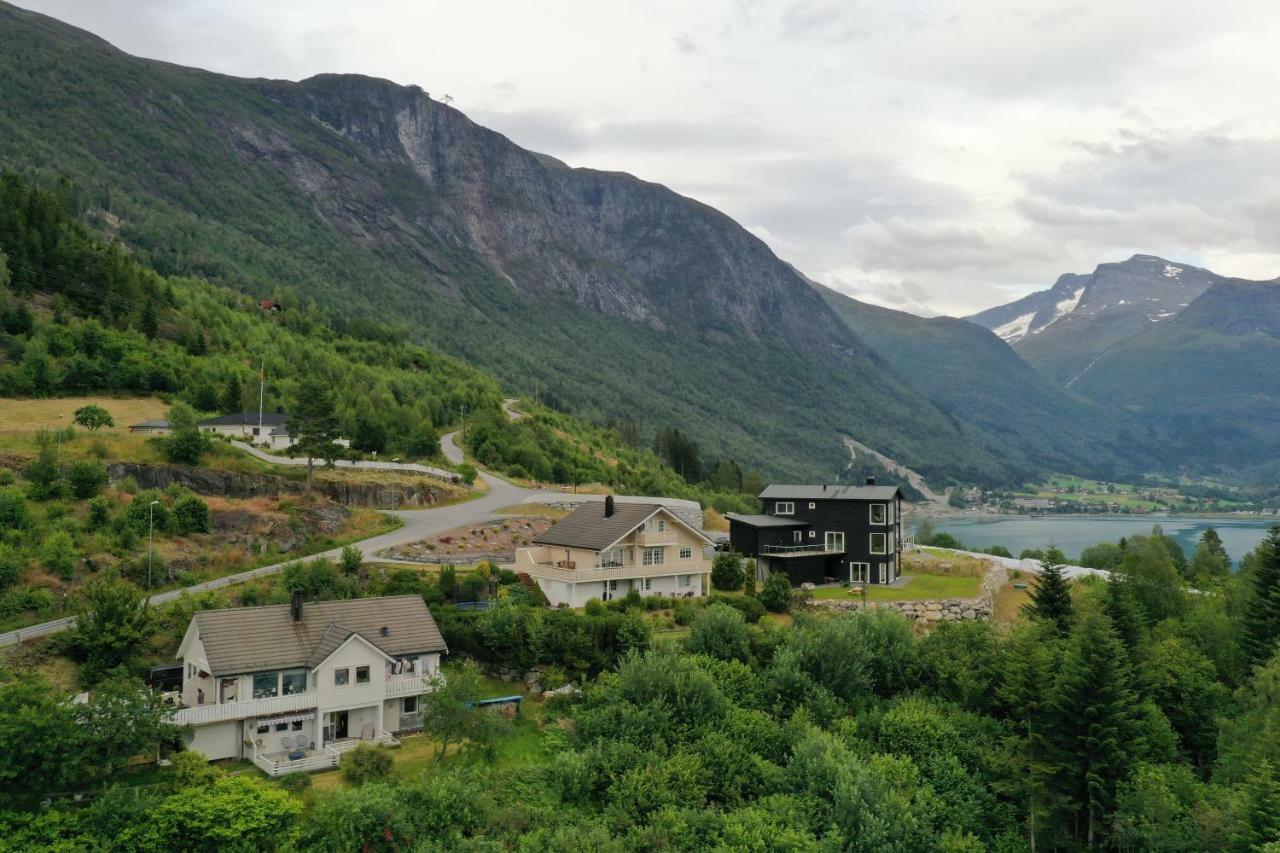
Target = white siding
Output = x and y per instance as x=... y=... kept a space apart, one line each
x=217 y=740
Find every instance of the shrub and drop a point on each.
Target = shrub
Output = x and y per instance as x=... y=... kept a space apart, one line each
x=192 y=768
x=448 y=580
x=721 y=632
x=727 y=573
x=296 y=781
x=13 y=510
x=595 y=607
x=467 y=472
x=776 y=593
x=11 y=566
x=351 y=560
x=87 y=478
x=366 y=763
x=506 y=577
x=750 y=608
x=190 y=515
x=99 y=513
x=140 y=513
x=59 y=555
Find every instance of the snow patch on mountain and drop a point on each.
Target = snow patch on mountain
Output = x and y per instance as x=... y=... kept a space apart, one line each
x=1066 y=306
x=1015 y=329
x=1170 y=271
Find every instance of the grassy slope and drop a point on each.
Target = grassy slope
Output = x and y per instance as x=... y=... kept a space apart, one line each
x=161 y=162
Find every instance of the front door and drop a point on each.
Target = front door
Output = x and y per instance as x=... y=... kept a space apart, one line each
x=337 y=725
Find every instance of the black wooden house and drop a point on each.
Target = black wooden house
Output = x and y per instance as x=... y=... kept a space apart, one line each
x=819 y=534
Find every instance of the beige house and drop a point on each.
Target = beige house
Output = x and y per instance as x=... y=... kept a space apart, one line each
x=605 y=549
x=294 y=686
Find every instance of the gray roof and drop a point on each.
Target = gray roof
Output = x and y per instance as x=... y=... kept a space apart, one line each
x=831 y=493
x=256 y=639
x=272 y=419
x=586 y=527
x=159 y=423
x=766 y=520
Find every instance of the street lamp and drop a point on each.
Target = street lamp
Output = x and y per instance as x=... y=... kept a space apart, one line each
x=151 y=527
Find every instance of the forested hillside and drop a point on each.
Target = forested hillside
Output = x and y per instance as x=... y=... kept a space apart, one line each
x=974 y=377
x=609 y=295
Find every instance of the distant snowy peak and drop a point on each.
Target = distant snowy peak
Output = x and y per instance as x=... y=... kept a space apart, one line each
x=1149 y=288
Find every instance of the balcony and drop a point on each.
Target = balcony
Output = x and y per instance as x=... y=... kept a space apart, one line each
x=202 y=714
x=411 y=686
x=551 y=571
x=810 y=550
x=655 y=538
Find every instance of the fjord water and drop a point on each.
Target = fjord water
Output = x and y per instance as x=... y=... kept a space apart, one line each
x=1074 y=533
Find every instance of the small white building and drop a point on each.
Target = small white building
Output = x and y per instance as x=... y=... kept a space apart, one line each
x=155 y=427
x=293 y=686
x=605 y=549
x=254 y=427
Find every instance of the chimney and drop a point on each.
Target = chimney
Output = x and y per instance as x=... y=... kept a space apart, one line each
x=871 y=481
x=295 y=607
x=608 y=506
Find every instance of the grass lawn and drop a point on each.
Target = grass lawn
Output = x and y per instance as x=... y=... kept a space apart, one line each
x=1009 y=602
x=33 y=415
x=917 y=587
x=554 y=513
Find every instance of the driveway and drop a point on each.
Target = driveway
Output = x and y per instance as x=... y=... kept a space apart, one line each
x=418 y=524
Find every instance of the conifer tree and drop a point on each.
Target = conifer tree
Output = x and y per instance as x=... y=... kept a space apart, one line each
x=1091 y=723
x=1261 y=823
x=1210 y=559
x=1262 y=612
x=313 y=424
x=1051 y=599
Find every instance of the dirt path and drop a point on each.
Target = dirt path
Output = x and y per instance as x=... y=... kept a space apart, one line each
x=913 y=477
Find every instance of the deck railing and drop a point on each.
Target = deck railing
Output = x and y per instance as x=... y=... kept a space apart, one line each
x=201 y=714
x=795 y=550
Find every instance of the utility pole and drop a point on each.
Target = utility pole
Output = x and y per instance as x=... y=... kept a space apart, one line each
x=262 y=391
x=151 y=528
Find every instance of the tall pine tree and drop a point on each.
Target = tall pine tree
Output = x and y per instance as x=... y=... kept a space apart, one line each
x=1262 y=612
x=1051 y=599
x=1091 y=724
x=313 y=425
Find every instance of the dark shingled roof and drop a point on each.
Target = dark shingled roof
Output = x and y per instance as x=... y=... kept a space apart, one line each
x=766 y=520
x=159 y=423
x=586 y=527
x=271 y=419
x=830 y=493
x=256 y=639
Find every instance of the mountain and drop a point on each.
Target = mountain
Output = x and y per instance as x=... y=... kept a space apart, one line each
x=609 y=295
x=1060 y=331
x=976 y=378
x=1207 y=379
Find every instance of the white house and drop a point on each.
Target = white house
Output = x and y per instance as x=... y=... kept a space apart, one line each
x=293 y=686
x=606 y=549
x=254 y=427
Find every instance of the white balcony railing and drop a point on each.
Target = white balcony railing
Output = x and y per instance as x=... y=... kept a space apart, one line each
x=655 y=538
x=551 y=572
x=799 y=550
x=201 y=714
x=410 y=686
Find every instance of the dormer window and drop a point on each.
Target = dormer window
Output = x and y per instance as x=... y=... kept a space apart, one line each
x=784 y=508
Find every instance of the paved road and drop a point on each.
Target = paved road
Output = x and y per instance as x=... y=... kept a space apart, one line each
x=418 y=523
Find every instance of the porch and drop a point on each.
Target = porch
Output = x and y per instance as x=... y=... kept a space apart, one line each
x=310 y=757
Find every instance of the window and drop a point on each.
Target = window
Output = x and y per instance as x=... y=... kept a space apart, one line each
x=812 y=505
x=296 y=726
x=784 y=508
x=878 y=513
x=614 y=557
x=341 y=677
x=797 y=536
x=834 y=541
x=891 y=513
x=646 y=584
x=813 y=534
x=266 y=684
x=191 y=670
x=859 y=572
x=682 y=581
x=362 y=675
x=893 y=542
x=294 y=682
x=686 y=553
x=654 y=556
x=282 y=727
x=263 y=728
x=409 y=705
x=662 y=525
x=877 y=543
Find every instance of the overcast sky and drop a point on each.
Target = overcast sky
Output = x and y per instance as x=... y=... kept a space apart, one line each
x=939 y=157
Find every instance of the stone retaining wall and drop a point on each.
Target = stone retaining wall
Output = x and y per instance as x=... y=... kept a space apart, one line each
x=940 y=610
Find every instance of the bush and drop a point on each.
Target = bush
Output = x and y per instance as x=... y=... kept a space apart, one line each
x=192 y=768
x=467 y=472
x=726 y=572
x=506 y=577
x=775 y=595
x=750 y=608
x=99 y=514
x=87 y=478
x=366 y=763
x=11 y=566
x=721 y=632
x=140 y=513
x=351 y=560
x=190 y=515
x=59 y=555
x=297 y=781
x=14 y=514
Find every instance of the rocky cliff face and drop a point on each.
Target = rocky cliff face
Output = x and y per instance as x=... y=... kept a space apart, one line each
x=610 y=242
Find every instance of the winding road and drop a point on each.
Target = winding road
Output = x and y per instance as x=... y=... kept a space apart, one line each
x=418 y=524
